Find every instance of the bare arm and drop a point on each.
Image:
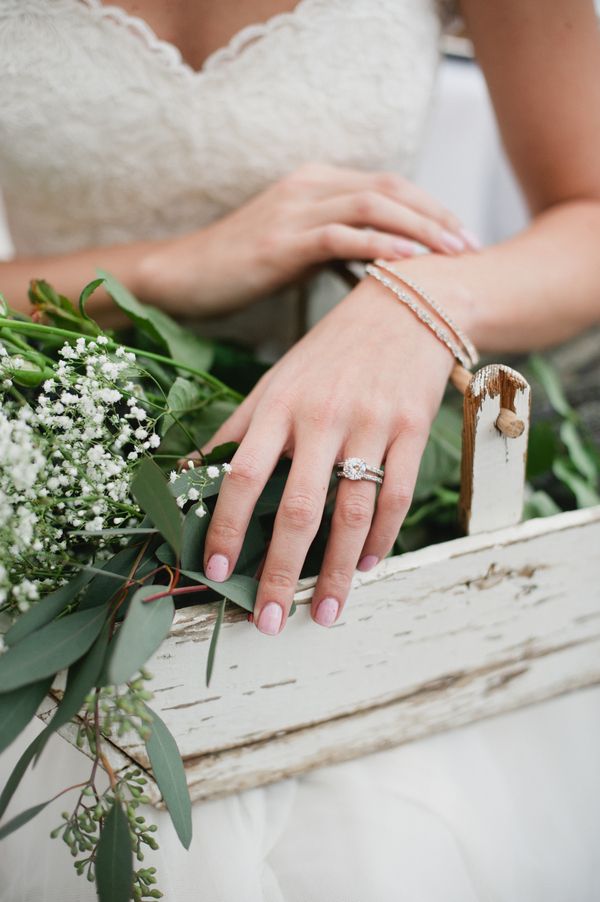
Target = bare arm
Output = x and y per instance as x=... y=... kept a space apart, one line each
x=542 y=65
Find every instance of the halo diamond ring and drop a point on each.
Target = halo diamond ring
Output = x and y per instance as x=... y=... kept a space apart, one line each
x=356 y=468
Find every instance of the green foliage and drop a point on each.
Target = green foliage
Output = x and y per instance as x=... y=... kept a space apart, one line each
x=139 y=636
x=151 y=491
x=17 y=709
x=114 y=858
x=169 y=774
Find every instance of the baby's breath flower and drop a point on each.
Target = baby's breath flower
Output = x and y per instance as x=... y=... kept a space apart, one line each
x=212 y=472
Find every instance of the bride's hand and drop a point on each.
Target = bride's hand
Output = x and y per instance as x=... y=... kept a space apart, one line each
x=316 y=214
x=366 y=382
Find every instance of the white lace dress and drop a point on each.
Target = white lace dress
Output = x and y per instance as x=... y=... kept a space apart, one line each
x=107 y=136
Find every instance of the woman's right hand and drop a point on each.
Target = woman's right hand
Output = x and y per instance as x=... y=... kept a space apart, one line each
x=316 y=214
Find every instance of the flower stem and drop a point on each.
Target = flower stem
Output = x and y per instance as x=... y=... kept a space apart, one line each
x=38 y=329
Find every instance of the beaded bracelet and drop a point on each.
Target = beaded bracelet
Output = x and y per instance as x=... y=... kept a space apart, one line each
x=442 y=334
x=464 y=339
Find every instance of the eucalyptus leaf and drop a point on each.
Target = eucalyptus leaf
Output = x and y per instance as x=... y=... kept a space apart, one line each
x=585 y=494
x=548 y=378
x=213 y=641
x=169 y=774
x=142 y=631
x=238 y=588
x=151 y=491
x=21 y=819
x=114 y=574
x=19 y=771
x=17 y=709
x=114 y=858
x=50 y=649
x=47 y=609
x=581 y=458
x=194 y=533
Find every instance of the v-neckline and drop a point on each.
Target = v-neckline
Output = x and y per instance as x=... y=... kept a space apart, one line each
x=246 y=36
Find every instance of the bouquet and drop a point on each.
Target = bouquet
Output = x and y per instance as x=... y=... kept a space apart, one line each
x=102 y=532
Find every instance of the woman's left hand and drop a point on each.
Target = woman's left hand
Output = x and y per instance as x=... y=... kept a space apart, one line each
x=366 y=382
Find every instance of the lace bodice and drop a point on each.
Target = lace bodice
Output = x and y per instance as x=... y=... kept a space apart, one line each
x=107 y=136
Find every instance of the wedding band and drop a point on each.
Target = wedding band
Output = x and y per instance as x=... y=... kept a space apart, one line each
x=355 y=468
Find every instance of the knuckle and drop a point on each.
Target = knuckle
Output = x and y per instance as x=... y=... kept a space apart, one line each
x=397 y=498
x=328 y=238
x=338 y=580
x=280 y=579
x=224 y=532
x=300 y=510
x=355 y=512
x=414 y=423
x=365 y=204
x=245 y=472
x=278 y=408
x=389 y=183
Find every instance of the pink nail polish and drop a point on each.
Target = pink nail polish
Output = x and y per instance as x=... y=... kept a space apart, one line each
x=451 y=242
x=472 y=240
x=367 y=562
x=270 y=618
x=327 y=611
x=217 y=568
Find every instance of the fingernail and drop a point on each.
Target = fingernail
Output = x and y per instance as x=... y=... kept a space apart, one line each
x=472 y=240
x=367 y=562
x=403 y=247
x=270 y=618
x=217 y=568
x=451 y=242
x=327 y=611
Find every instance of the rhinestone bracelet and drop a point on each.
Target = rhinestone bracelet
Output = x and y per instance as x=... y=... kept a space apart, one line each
x=464 y=339
x=439 y=331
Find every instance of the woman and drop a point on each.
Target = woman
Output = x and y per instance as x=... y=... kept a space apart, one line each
x=209 y=180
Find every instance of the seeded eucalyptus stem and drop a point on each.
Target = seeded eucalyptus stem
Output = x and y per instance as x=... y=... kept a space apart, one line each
x=38 y=329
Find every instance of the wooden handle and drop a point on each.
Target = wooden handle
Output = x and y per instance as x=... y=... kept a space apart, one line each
x=507 y=422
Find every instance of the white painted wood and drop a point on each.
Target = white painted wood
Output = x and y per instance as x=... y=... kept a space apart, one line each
x=427 y=641
x=493 y=468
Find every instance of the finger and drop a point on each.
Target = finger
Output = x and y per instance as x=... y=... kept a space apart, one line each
x=251 y=466
x=401 y=469
x=369 y=208
x=342 y=242
x=296 y=524
x=332 y=180
x=352 y=517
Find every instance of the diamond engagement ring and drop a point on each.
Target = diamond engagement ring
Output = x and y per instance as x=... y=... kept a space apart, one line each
x=356 y=468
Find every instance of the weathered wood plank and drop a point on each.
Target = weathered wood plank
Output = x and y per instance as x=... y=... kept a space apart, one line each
x=427 y=641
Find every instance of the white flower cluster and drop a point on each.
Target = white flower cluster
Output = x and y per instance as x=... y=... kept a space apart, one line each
x=194 y=487
x=65 y=465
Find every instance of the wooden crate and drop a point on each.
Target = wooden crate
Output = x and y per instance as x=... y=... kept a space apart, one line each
x=429 y=640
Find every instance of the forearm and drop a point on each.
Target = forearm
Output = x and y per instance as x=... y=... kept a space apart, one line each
x=532 y=291
x=68 y=273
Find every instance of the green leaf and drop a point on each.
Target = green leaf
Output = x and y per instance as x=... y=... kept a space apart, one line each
x=585 y=494
x=221 y=453
x=21 y=819
x=50 y=649
x=542 y=449
x=18 y=772
x=141 y=633
x=440 y=465
x=84 y=296
x=548 y=378
x=581 y=458
x=46 y=609
x=540 y=504
x=18 y=707
x=213 y=640
x=194 y=533
x=169 y=774
x=238 y=588
x=182 y=397
x=114 y=858
x=81 y=679
x=112 y=574
x=151 y=491
x=188 y=478
x=182 y=344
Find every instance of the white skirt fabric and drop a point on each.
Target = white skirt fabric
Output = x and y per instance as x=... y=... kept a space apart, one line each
x=505 y=810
